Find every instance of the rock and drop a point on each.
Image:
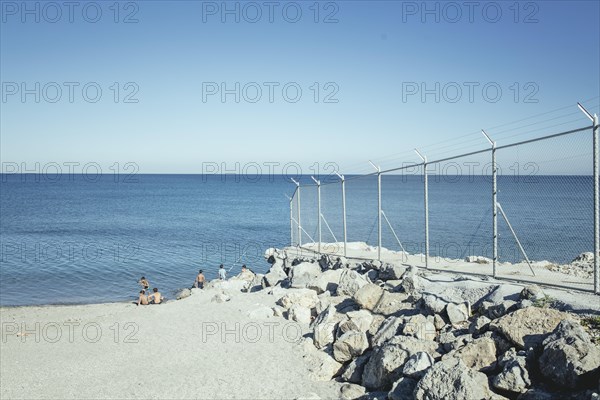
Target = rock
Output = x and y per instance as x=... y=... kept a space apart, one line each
x=402 y=389
x=261 y=312
x=350 y=345
x=368 y=296
x=183 y=293
x=299 y=314
x=392 y=303
x=278 y=311
x=385 y=365
x=458 y=313
x=420 y=327
x=325 y=262
x=587 y=257
x=324 y=327
x=388 y=330
x=454 y=340
x=569 y=358
x=220 y=298
x=275 y=275
x=411 y=282
x=498 y=310
x=391 y=272
x=502 y=343
x=350 y=282
x=480 y=354
x=304 y=273
x=479 y=325
x=357 y=321
x=417 y=365
x=527 y=327
x=438 y=322
x=514 y=376
x=478 y=259
x=328 y=281
x=302 y=297
x=350 y=391
x=321 y=366
x=433 y=304
x=532 y=293
x=451 y=379
x=354 y=370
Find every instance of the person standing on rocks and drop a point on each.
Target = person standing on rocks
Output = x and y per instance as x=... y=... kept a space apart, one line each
x=222 y=272
x=200 y=279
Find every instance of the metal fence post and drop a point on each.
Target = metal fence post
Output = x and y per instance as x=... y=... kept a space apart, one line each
x=318 y=211
x=494 y=205
x=298 y=220
x=378 y=210
x=344 y=212
x=291 y=221
x=596 y=174
x=426 y=199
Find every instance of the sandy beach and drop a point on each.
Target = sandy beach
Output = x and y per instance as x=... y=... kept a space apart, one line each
x=190 y=348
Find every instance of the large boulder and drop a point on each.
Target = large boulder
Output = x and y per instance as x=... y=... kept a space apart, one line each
x=569 y=358
x=354 y=370
x=528 y=327
x=392 y=303
x=299 y=313
x=451 y=379
x=302 y=297
x=387 y=330
x=417 y=365
x=304 y=273
x=411 y=282
x=350 y=391
x=183 y=293
x=324 y=327
x=321 y=366
x=385 y=365
x=328 y=281
x=275 y=275
x=514 y=376
x=480 y=354
x=391 y=272
x=458 y=314
x=433 y=304
x=368 y=296
x=419 y=326
x=359 y=321
x=350 y=282
x=350 y=345
x=402 y=389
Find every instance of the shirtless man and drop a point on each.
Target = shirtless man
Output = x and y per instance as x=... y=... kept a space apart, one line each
x=144 y=282
x=155 y=298
x=143 y=299
x=199 y=282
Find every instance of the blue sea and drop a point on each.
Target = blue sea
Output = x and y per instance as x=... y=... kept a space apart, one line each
x=78 y=240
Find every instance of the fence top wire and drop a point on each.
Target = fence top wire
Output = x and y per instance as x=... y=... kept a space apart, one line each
x=488 y=149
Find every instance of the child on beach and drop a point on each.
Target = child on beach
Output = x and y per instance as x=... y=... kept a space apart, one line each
x=199 y=282
x=222 y=272
x=143 y=299
x=156 y=297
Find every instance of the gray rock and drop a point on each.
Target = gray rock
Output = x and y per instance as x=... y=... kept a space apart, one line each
x=514 y=376
x=360 y=321
x=527 y=327
x=458 y=314
x=321 y=366
x=302 y=297
x=411 y=282
x=479 y=354
x=498 y=310
x=433 y=304
x=354 y=370
x=275 y=275
x=391 y=272
x=368 y=296
x=350 y=282
x=183 y=293
x=350 y=345
x=451 y=379
x=392 y=303
x=220 y=298
x=417 y=365
x=479 y=325
x=350 y=391
x=261 y=312
x=304 y=273
x=569 y=358
x=402 y=389
x=532 y=293
x=420 y=327
x=388 y=330
x=299 y=313
x=328 y=281
x=324 y=327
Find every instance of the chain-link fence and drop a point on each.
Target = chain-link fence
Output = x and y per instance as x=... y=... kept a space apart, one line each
x=525 y=211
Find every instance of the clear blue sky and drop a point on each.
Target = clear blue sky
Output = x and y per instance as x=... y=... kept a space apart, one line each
x=374 y=58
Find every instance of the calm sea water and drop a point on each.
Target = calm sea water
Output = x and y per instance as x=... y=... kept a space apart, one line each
x=81 y=241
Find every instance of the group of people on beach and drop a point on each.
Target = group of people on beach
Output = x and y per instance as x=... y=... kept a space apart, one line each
x=156 y=298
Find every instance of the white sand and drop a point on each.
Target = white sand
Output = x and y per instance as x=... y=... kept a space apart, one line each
x=171 y=359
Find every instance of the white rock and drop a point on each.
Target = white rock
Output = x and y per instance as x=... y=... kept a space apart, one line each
x=299 y=314
x=302 y=297
x=417 y=365
x=458 y=313
x=350 y=282
x=350 y=345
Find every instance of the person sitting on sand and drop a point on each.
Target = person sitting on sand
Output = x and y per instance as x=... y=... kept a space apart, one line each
x=144 y=282
x=199 y=282
x=222 y=272
x=143 y=299
x=156 y=297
